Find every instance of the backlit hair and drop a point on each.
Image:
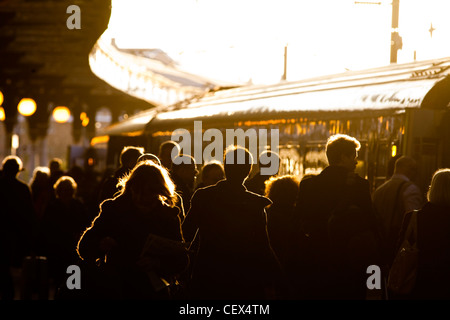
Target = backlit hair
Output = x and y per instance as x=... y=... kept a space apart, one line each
x=129 y=155
x=340 y=144
x=282 y=189
x=152 y=175
x=439 y=191
x=65 y=184
x=238 y=163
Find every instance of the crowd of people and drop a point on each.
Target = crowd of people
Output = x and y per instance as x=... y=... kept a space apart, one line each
x=162 y=227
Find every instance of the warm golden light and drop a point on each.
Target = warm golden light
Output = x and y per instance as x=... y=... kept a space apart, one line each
x=85 y=122
x=393 y=150
x=2 y=114
x=61 y=114
x=27 y=107
x=84 y=119
x=1 y=98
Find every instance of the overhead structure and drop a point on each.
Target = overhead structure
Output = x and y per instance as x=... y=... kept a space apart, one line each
x=148 y=74
x=43 y=58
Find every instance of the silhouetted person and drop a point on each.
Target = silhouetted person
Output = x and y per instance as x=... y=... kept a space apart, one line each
x=393 y=199
x=41 y=191
x=211 y=173
x=433 y=241
x=126 y=233
x=149 y=156
x=65 y=218
x=127 y=160
x=268 y=166
x=16 y=222
x=338 y=220
x=281 y=215
x=168 y=151
x=235 y=260
x=184 y=174
x=56 y=171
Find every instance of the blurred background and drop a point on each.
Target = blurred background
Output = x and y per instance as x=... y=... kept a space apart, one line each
x=128 y=56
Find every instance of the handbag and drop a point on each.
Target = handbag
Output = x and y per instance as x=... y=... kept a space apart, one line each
x=403 y=272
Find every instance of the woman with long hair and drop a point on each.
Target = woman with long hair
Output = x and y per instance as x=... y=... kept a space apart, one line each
x=138 y=235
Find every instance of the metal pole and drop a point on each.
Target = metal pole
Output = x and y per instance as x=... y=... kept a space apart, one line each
x=285 y=64
x=395 y=38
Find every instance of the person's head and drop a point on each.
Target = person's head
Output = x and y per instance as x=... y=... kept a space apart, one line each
x=439 y=191
x=282 y=190
x=148 y=183
x=41 y=175
x=184 y=167
x=55 y=165
x=149 y=156
x=407 y=166
x=342 y=150
x=212 y=172
x=168 y=150
x=269 y=163
x=129 y=156
x=238 y=163
x=65 y=188
x=11 y=166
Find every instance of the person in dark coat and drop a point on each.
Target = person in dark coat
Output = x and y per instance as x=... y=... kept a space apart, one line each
x=281 y=215
x=433 y=241
x=41 y=190
x=17 y=222
x=338 y=253
x=64 y=220
x=393 y=199
x=184 y=174
x=138 y=235
x=235 y=259
x=56 y=171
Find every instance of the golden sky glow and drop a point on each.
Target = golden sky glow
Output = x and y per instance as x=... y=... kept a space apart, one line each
x=239 y=40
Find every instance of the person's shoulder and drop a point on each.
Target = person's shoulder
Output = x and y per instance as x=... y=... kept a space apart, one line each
x=258 y=199
x=411 y=187
x=310 y=181
x=200 y=191
x=109 y=204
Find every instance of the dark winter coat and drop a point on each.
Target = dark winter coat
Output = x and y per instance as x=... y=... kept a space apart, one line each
x=339 y=250
x=433 y=242
x=235 y=260
x=130 y=228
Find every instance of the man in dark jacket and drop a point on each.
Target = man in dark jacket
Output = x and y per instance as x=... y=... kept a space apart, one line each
x=337 y=216
x=235 y=260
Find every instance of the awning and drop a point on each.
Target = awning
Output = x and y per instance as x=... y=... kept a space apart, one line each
x=391 y=87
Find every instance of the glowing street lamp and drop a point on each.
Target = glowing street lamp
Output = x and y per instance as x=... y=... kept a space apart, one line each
x=26 y=107
x=2 y=114
x=61 y=114
x=1 y=98
x=84 y=119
